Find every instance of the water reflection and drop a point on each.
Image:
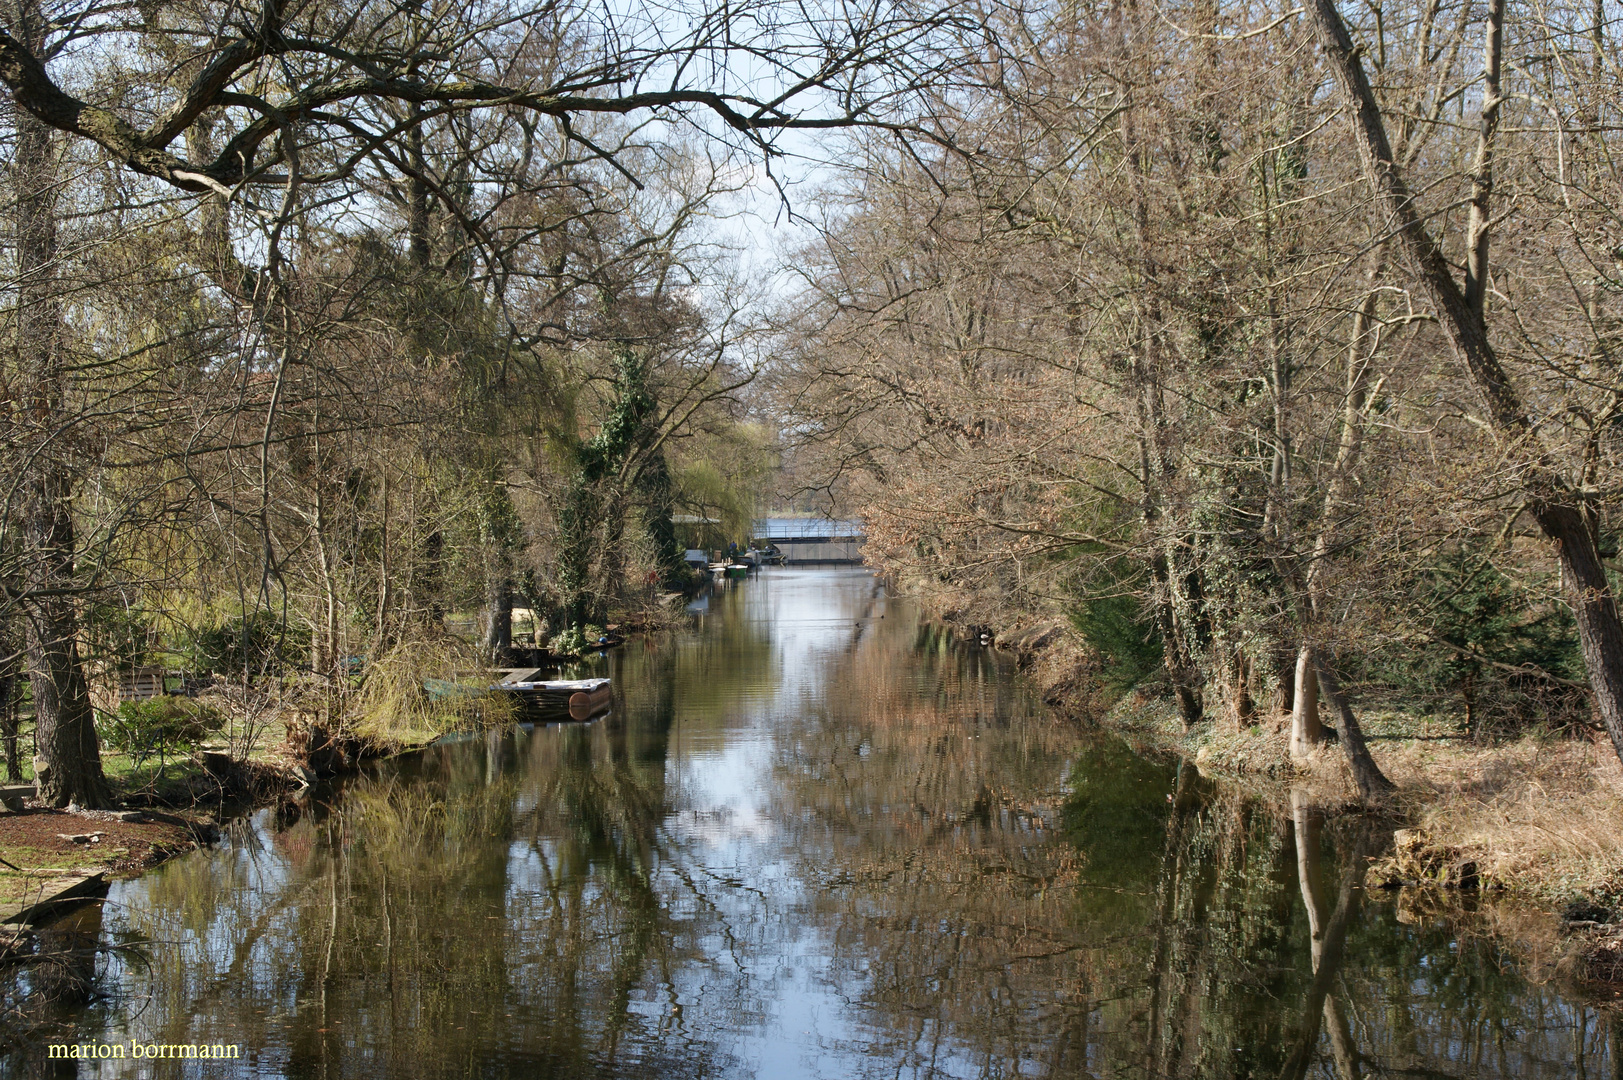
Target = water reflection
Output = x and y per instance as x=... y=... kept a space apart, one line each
x=816 y=838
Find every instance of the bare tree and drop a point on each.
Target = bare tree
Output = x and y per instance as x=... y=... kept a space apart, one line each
x=758 y=69
x=1557 y=500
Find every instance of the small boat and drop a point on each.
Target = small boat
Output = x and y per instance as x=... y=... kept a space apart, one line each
x=580 y=699
x=738 y=570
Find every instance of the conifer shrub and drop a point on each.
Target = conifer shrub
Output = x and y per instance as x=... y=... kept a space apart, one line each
x=162 y=727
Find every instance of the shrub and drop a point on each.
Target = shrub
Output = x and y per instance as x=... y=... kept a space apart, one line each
x=571 y=642
x=258 y=644
x=413 y=691
x=1496 y=645
x=162 y=727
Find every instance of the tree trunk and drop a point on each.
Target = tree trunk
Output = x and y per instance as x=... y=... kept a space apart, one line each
x=575 y=520
x=10 y=667
x=1372 y=783
x=1180 y=665
x=1282 y=660
x=1245 y=709
x=1306 y=731
x=1477 y=228
x=1468 y=692
x=65 y=729
x=428 y=577
x=382 y=639
x=417 y=216
x=324 y=639
x=1157 y=461
x=1559 y=512
x=498 y=635
x=1600 y=634
x=64 y=724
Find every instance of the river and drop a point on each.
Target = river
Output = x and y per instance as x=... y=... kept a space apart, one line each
x=817 y=837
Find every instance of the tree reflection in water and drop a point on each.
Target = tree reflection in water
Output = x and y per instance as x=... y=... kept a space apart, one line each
x=1146 y=923
x=816 y=838
x=497 y=908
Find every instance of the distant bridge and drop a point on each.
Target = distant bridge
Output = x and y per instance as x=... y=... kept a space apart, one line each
x=812 y=540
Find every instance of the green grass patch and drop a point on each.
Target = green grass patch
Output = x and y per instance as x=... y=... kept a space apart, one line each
x=85 y=858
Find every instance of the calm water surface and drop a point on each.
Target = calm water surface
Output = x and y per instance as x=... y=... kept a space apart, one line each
x=816 y=838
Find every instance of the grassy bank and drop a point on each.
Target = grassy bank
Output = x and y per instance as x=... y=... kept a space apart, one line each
x=1537 y=820
x=1540 y=816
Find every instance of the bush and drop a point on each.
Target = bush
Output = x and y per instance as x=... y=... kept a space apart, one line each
x=258 y=644
x=578 y=640
x=162 y=727
x=1110 y=614
x=1509 y=656
x=412 y=691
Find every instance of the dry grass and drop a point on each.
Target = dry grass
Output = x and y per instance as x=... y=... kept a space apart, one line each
x=1541 y=816
x=393 y=705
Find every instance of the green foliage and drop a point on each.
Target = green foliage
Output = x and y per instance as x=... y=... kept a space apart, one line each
x=656 y=490
x=575 y=640
x=598 y=460
x=1483 y=622
x=258 y=643
x=571 y=641
x=724 y=482
x=1111 y=617
x=161 y=727
x=118 y=634
x=499 y=523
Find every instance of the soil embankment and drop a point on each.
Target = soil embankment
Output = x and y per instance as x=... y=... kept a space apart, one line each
x=52 y=855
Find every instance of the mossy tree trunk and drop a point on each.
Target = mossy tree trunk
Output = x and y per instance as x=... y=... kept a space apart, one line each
x=612 y=464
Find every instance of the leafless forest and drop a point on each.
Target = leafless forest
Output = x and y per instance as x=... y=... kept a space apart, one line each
x=1273 y=349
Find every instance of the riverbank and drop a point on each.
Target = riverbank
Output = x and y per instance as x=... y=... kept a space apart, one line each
x=52 y=855
x=1537 y=819
x=1540 y=816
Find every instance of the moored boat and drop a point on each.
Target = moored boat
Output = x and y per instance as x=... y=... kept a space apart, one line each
x=579 y=699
